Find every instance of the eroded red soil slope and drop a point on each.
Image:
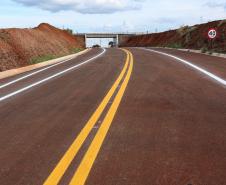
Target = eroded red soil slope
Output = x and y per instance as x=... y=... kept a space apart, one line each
x=193 y=37
x=19 y=46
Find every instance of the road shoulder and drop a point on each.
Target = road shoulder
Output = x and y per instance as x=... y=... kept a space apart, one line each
x=13 y=72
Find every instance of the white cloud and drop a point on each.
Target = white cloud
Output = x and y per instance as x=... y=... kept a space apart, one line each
x=154 y=15
x=213 y=4
x=85 y=6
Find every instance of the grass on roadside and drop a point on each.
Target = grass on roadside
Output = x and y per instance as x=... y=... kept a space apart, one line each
x=36 y=60
x=43 y=58
x=75 y=50
x=204 y=49
x=174 y=45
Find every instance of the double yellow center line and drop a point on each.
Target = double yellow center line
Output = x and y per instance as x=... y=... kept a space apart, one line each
x=85 y=166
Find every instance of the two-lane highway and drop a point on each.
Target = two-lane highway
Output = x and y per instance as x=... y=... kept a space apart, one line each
x=170 y=129
x=38 y=125
x=126 y=117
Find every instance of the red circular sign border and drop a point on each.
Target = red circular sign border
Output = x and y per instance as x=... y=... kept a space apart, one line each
x=214 y=37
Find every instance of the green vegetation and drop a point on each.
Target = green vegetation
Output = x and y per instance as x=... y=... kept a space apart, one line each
x=182 y=30
x=43 y=58
x=211 y=51
x=70 y=31
x=175 y=45
x=75 y=50
x=204 y=49
x=36 y=60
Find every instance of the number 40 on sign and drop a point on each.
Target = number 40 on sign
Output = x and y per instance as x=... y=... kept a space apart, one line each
x=212 y=33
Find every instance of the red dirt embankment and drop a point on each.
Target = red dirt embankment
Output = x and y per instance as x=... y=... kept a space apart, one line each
x=191 y=37
x=19 y=46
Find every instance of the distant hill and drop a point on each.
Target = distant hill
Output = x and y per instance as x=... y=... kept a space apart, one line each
x=21 y=47
x=191 y=37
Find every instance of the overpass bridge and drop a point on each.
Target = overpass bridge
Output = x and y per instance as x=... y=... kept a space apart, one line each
x=117 y=37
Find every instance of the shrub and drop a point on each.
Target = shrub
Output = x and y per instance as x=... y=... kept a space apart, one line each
x=174 y=45
x=70 y=31
x=182 y=30
x=204 y=50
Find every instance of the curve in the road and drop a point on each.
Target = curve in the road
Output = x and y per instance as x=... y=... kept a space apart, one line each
x=86 y=164
x=45 y=79
x=203 y=71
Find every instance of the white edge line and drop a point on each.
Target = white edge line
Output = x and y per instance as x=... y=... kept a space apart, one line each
x=34 y=73
x=31 y=74
x=211 y=75
x=50 y=77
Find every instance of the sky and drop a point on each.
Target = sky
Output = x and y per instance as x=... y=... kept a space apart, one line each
x=110 y=15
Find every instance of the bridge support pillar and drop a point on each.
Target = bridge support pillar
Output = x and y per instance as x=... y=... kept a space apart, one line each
x=116 y=40
x=85 y=41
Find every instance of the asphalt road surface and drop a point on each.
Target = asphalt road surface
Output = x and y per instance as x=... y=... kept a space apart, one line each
x=116 y=117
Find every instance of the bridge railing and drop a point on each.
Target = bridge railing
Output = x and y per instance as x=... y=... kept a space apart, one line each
x=113 y=33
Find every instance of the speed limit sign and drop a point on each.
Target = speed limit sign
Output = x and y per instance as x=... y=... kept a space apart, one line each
x=212 y=33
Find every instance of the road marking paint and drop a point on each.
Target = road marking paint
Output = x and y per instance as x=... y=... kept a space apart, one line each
x=209 y=74
x=31 y=74
x=85 y=166
x=34 y=73
x=70 y=154
x=50 y=77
